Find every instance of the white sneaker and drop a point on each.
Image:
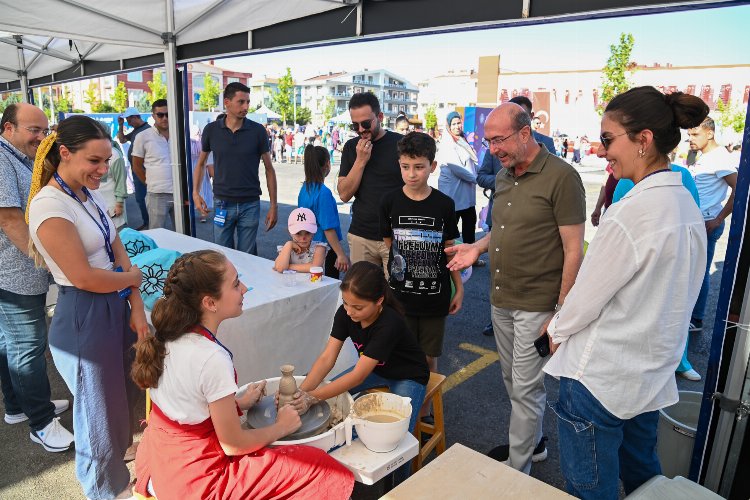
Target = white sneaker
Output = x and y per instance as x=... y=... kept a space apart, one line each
x=61 y=405
x=690 y=375
x=54 y=437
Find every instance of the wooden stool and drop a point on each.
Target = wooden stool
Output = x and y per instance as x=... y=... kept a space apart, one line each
x=437 y=432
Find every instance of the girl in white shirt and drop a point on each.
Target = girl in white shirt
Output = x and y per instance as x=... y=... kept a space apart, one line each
x=94 y=327
x=194 y=445
x=621 y=332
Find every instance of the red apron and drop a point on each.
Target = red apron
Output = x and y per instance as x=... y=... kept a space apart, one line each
x=186 y=461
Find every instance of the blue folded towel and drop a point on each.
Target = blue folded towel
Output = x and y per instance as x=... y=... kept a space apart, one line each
x=154 y=265
x=136 y=242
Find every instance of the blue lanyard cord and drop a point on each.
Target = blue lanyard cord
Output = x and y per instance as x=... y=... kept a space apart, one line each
x=657 y=172
x=231 y=356
x=103 y=227
x=22 y=160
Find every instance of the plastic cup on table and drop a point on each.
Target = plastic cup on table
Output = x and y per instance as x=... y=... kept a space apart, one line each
x=290 y=277
x=316 y=274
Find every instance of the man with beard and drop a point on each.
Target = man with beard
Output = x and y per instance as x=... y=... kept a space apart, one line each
x=23 y=288
x=536 y=249
x=369 y=169
x=238 y=145
x=152 y=164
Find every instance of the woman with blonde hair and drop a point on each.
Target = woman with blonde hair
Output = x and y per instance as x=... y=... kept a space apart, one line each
x=94 y=327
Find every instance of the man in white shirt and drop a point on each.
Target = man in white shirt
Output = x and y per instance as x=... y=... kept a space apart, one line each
x=152 y=164
x=715 y=172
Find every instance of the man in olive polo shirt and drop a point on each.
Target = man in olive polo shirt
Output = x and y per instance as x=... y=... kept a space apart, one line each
x=536 y=248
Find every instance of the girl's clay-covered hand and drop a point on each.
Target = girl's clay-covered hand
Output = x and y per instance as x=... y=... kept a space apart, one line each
x=302 y=402
x=251 y=395
x=288 y=419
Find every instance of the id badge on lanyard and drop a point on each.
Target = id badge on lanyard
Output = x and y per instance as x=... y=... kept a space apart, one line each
x=103 y=227
x=220 y=216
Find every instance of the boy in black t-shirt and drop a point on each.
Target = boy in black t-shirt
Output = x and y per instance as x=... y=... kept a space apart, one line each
x=417 y=222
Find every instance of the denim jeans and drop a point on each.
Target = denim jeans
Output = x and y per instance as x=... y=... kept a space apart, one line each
x=700 y=304
x=23 y=367
x=596 y=447
x=404 y=388
x=242 y=217
x=140 y=198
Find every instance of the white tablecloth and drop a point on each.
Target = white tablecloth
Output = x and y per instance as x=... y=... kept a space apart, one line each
x=279 y=324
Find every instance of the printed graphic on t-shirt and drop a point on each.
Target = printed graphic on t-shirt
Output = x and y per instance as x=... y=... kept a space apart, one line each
x=361 y=352
x=416 y=255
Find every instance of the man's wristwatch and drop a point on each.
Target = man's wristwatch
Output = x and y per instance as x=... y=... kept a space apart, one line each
x=558 y=307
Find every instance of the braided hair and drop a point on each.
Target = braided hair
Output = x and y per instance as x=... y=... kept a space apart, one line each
x=192 y=277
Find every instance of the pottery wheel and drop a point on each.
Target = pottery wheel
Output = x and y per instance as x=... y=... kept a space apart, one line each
x=314 y=421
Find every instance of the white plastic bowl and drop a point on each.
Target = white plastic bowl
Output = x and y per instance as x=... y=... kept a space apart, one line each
x=326 y=441
x=380 y=437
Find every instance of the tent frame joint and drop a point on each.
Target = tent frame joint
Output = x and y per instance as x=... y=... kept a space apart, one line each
x=168 y=37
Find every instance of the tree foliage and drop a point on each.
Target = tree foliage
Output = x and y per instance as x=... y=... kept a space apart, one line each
x=91 y=95
x=330 y=110
x=157 y=86
x=304 y=116
x=209 y=96
x=430 y=118
x=13 y=98
x=616 y=73
x=120 y=98
x=283 y=98
x=731 y=116
x=64 y=103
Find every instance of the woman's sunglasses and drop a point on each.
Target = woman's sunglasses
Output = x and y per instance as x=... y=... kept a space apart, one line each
x=365 y=124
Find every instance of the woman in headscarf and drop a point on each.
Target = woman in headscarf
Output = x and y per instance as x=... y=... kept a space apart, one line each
x=458 y=176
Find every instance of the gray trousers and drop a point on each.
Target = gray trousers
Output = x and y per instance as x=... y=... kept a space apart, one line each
x=160 y=206
x=515 y=333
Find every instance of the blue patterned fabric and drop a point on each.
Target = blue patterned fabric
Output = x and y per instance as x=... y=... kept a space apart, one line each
x=154 y=265
x=136 y=242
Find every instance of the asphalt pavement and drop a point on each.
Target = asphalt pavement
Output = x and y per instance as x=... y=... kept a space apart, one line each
x=477 y=407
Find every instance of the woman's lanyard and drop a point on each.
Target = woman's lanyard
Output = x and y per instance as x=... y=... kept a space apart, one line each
x=205 y=332
x=103 y=227
x=656 y=172
x=10 y=150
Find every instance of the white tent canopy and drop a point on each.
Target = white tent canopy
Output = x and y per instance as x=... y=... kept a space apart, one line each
x=342 y=118
x=270 y=114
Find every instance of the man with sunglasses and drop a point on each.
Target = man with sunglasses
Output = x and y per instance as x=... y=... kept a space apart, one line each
x=536 y=249
x=23 y=288
x=369 y=169
x=152 y=164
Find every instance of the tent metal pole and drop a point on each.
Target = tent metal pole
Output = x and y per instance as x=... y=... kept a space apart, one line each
x=22 y=76
x=170 y=61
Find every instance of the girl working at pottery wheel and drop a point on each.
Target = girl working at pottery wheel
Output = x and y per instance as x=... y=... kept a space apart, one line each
x=389 y=355
x=194 y=445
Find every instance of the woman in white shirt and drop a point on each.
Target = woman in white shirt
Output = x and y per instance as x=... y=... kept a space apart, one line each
x=620 y=334
x=93 y=329
x=194 y=445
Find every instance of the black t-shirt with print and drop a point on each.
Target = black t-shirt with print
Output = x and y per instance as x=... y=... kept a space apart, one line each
x=389 y=341
x=382 y=174
x=417 y=261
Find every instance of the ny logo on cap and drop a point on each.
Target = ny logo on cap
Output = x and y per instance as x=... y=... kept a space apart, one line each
x=301 y=217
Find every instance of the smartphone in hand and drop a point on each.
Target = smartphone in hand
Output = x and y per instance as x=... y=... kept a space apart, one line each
x=542 y=345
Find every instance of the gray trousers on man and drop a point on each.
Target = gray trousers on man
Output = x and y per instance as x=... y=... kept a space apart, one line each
x=515 y=333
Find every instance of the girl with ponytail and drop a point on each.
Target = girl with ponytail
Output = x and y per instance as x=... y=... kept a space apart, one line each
x=389 y=355
x=99 y=310
x=316 y=196
x=621 y=332
x=194 y=445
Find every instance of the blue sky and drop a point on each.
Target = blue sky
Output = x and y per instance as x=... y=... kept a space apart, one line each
x=699 y=37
